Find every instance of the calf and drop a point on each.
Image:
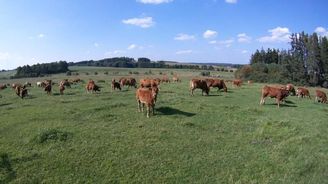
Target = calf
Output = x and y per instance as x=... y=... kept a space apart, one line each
x=21 y=91
x=91 y=86
x=302 y=92
x=146 y=96
x=198 y=83
x=237 y=82
x=273 y=92
x=320 y=95
x=115 y=85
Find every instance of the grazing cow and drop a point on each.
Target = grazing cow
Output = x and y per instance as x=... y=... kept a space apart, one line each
x=273 y=92
x=237 y=82
x=91 y=86
x=3 y=86
x=128 y=82
x=216 y=83
x=166 y=79
x=48 y=86
x=65 y=82
x=77 y=80
x=14 y=85
x=21 y=91
x=291 y=89
x=40 y=84
x=146 y=96
x=149 y=82
x=302 y=92
x=320 y=95
x=176 y=79
x=28 y=84
x=249 y=82
x=115 y=85
x=198 y=83
x=61 y=89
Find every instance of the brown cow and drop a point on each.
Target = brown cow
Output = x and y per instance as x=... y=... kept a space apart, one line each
x=61 y=89
x=146 y=96
x=21 y=91
x=320 y=95
x=48 y=86
x=64 y=83
x=291 y=89
x=273 y=92
x=176 y=79
x=91 y=86
x=166 y=79
x=115 y=85
x=14 y=85
x=237 y=82
x=302 y=92
x=149 y=82
x=216 y=83
x=198 y=83
x=128 y=82
x=3 y=86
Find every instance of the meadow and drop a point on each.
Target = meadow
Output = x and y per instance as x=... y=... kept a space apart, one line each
x=102 y=138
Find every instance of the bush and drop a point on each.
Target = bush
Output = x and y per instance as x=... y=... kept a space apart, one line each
x=96 y=73
x=68 y=73
x=86 y=73
x=106 y=73
x=205 y=73
x=101 y=81
x=136 y=72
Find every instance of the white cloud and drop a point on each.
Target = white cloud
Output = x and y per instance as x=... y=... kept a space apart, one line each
x=145 y=22
x=132 y=46
x=41 y=35
x=244 y=51
x=231 y=1
x=212 y=42
x=114 y=53
x=183 y=52
x=209 y=34
x=321 y=31
x=183 y=37
x=4 y=56
x=154 y=1
x=243 y=38
x=96 y=44
x=278 y=34
x=227 y=43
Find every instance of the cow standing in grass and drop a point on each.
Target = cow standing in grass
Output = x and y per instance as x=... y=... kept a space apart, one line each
x=216 y=83
x=146 y=96
x=92 y=87
x=128 y=82
x=198 y=83
x=115 y=85
x=48 y=86
x=149 y=83
x=291 y=89
x=237 y=82
x=21 y=91
x=302 y=92
x=3 y=86
x=273 y=92
x=320 y=95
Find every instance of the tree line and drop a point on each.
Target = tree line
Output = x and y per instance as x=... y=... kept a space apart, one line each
x=305 y=63
x=40 y=70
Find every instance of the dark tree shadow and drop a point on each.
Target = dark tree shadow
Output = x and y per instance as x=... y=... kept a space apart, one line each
x=5 y=104
x=173 y=111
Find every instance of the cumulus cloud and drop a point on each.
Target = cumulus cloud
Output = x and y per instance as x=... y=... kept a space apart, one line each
x=278 y=34
x=114 y=53
x=96 y=44
x=183 y=37
x=212 y=42
x=154 y=1
x=209 y=34
x=244 y=51
x=226 y=43
x=145 y=22
x=243 y=38
x=321 y=31
x=183 y=52
x=132 y=46
x=231 y=1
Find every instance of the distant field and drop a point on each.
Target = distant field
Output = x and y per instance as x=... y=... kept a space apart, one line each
x=101 y=138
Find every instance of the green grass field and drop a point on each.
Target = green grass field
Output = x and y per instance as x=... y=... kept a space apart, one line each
x=102 y=138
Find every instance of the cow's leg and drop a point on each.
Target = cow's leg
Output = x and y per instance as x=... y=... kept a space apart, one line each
x=139 y=106
x=191 y=92
x=148 y=110
x=153 y=108
x=278 y=101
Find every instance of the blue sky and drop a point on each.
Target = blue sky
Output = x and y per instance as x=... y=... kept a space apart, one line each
x=38 y=31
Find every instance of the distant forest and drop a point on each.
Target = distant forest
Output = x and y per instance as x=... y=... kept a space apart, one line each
x=40 y=70
x=305 y=63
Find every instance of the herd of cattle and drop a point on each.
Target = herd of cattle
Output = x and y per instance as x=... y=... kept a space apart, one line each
x=146 y=94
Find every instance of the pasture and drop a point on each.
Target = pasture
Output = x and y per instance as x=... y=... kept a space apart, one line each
x=102 y=138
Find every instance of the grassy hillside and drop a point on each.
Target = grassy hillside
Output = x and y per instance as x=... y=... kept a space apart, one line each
x=101 y=138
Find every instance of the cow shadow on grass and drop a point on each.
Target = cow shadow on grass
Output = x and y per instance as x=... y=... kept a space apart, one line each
x=281 y=105
x=173 y=111
x=5 y=104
